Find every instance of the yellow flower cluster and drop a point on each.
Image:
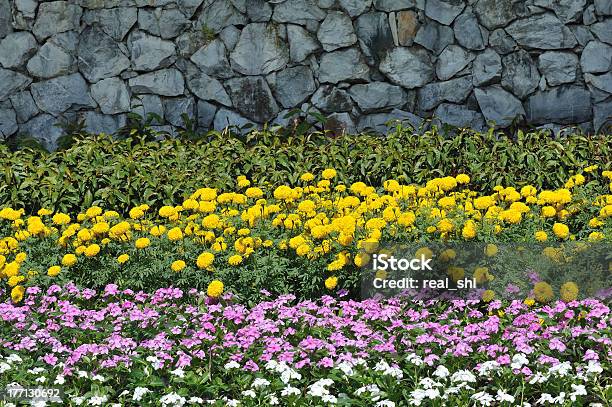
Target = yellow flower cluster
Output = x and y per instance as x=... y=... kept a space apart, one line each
x=314 y=220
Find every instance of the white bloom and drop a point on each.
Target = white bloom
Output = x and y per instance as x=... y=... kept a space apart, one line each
x=97 y=400
x=273 y=400
x=39 y=403
x=178 y=372
x=41 y=379
x=463 y=376
x=82 y=373
x=503 y=396
x=484 y=398
x=155 y=362
x=417 y=396
x=232 y=365
x=98 y=378
x=14 y=358
x=518 y=361
x=429 y=383
x=385 y=403
x=578 y=390
x=4 y=367
x=384 y=367
x=78 y=400
x=36 y=370
x=249 y=393
x=488 y=367
x=195 y=400
x=441 y=372
x=59 y=380
x=290 y=391
x=415 y=359
x=139 y=392
x=172 y=399
x=593 y=367
x=370 y=388
x=260 y=382
x=547 y=398
x=538 y=378
x=318 y=388
x=329 y=398
x=346 y=368
x=561 y=370
x=231 y=402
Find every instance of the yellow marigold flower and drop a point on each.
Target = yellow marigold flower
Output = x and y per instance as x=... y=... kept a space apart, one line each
x=431 y=229
x=528 y=190
x=482 y=275
x=302 y=250
x=136 y=213
x=167 y=211
x=93 y=212
x=215 y=289
x=445 y=226
x=463 y=179
x=243 y=183
x=543 y=292
x=178 y=265
x=20 y=257
x=142 y=243
x=448 y=254
x=529 y=302
x=92 y=250
x=561 y=231
x=157 y=230
x=328 y=173
x=606 y=211
x=80 y=249
x=488 y=295
x=175 y=234
x=456 y=273
x=548 y=212
x=53 y=271
x=123 y=258
x=391 y=185
x=100 y=228
x=484 y=202
x=84 y=235
x=111 y=214
x=61 y=219
x=307 y=177
x=14 y=280
x=569 y=291
x=211 y=221
x=254 y=193
x=331 y=282
x=205 y=260
x=469 y=230
x=17 y=293
x=491 y=250
x=283 y=192
x=595 y=223
x=426 y=252
x=595 y=236
x=69 y=260
x=235 y=260
x=541 y=236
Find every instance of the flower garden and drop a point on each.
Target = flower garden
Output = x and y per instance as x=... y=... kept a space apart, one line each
x=244 y=287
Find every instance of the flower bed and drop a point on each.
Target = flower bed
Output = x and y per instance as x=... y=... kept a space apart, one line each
x=169 y=348
x=303 y=238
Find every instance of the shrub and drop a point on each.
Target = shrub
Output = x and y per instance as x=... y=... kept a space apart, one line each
x=126 y=173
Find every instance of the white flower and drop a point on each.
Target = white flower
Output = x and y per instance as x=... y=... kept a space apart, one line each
x=4 y=367
x=429 y=383
x=370 y=388
x=272 y=400
x=561 y=370
x=463 y=376
x=139 y=392
x=231 y=402
x=195 y=400
x=39 y=403
x=41 y=379
x=155 y=362
x=503 y=396
x=329 y=398
x=414 y=359
x=384 y=367
x=97 y=400
x=318 y=388
x=484 y=398
x=78 y=400
x=172 y=399
x=346 y=368
x=36 y=370
x=178 y=372
x=593 y=367
x=98 y=378
x=14 y=358
x=385 y=403
x=232 y=365
x=441 y=372
x=82 y=373
x=417 y=396
x=290 y=391
x=547 y=398
x=538 y=378
x=518 y=361
x=249 y=393
x=578 y=390
x=260 y=382
x=59 y=380
x=488 y=367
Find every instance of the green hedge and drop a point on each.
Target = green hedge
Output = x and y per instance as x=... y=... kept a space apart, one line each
x=124 y=173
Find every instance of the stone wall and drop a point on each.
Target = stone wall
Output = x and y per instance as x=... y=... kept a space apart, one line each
x=361 y=62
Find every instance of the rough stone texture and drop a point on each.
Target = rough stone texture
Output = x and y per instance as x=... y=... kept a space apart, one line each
x=336 y=31
x=378 y=95
x=343 y=65
x=562 y=105
x=259 y=51
x=455 y=91
x=112 y=95
x=487 y=68
x=498 y=105
x=407 y=67
x=352 y=60
x=292 y=86
x=43 y=128
x=16 y=48
x=602 y=116
x=451 y=61
x=301 y=43
x=520 y=74
x=596 y=57
x=542 y=31
x=57 y=95
x=165 y=82
x=379 y=122
x=8 y=123
x=100 y=56
x=330 y=99
x=559 y=67
x=149 y=53
x=444 y=11
x=56 y=17
x=252 y=98
x=459 y=116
